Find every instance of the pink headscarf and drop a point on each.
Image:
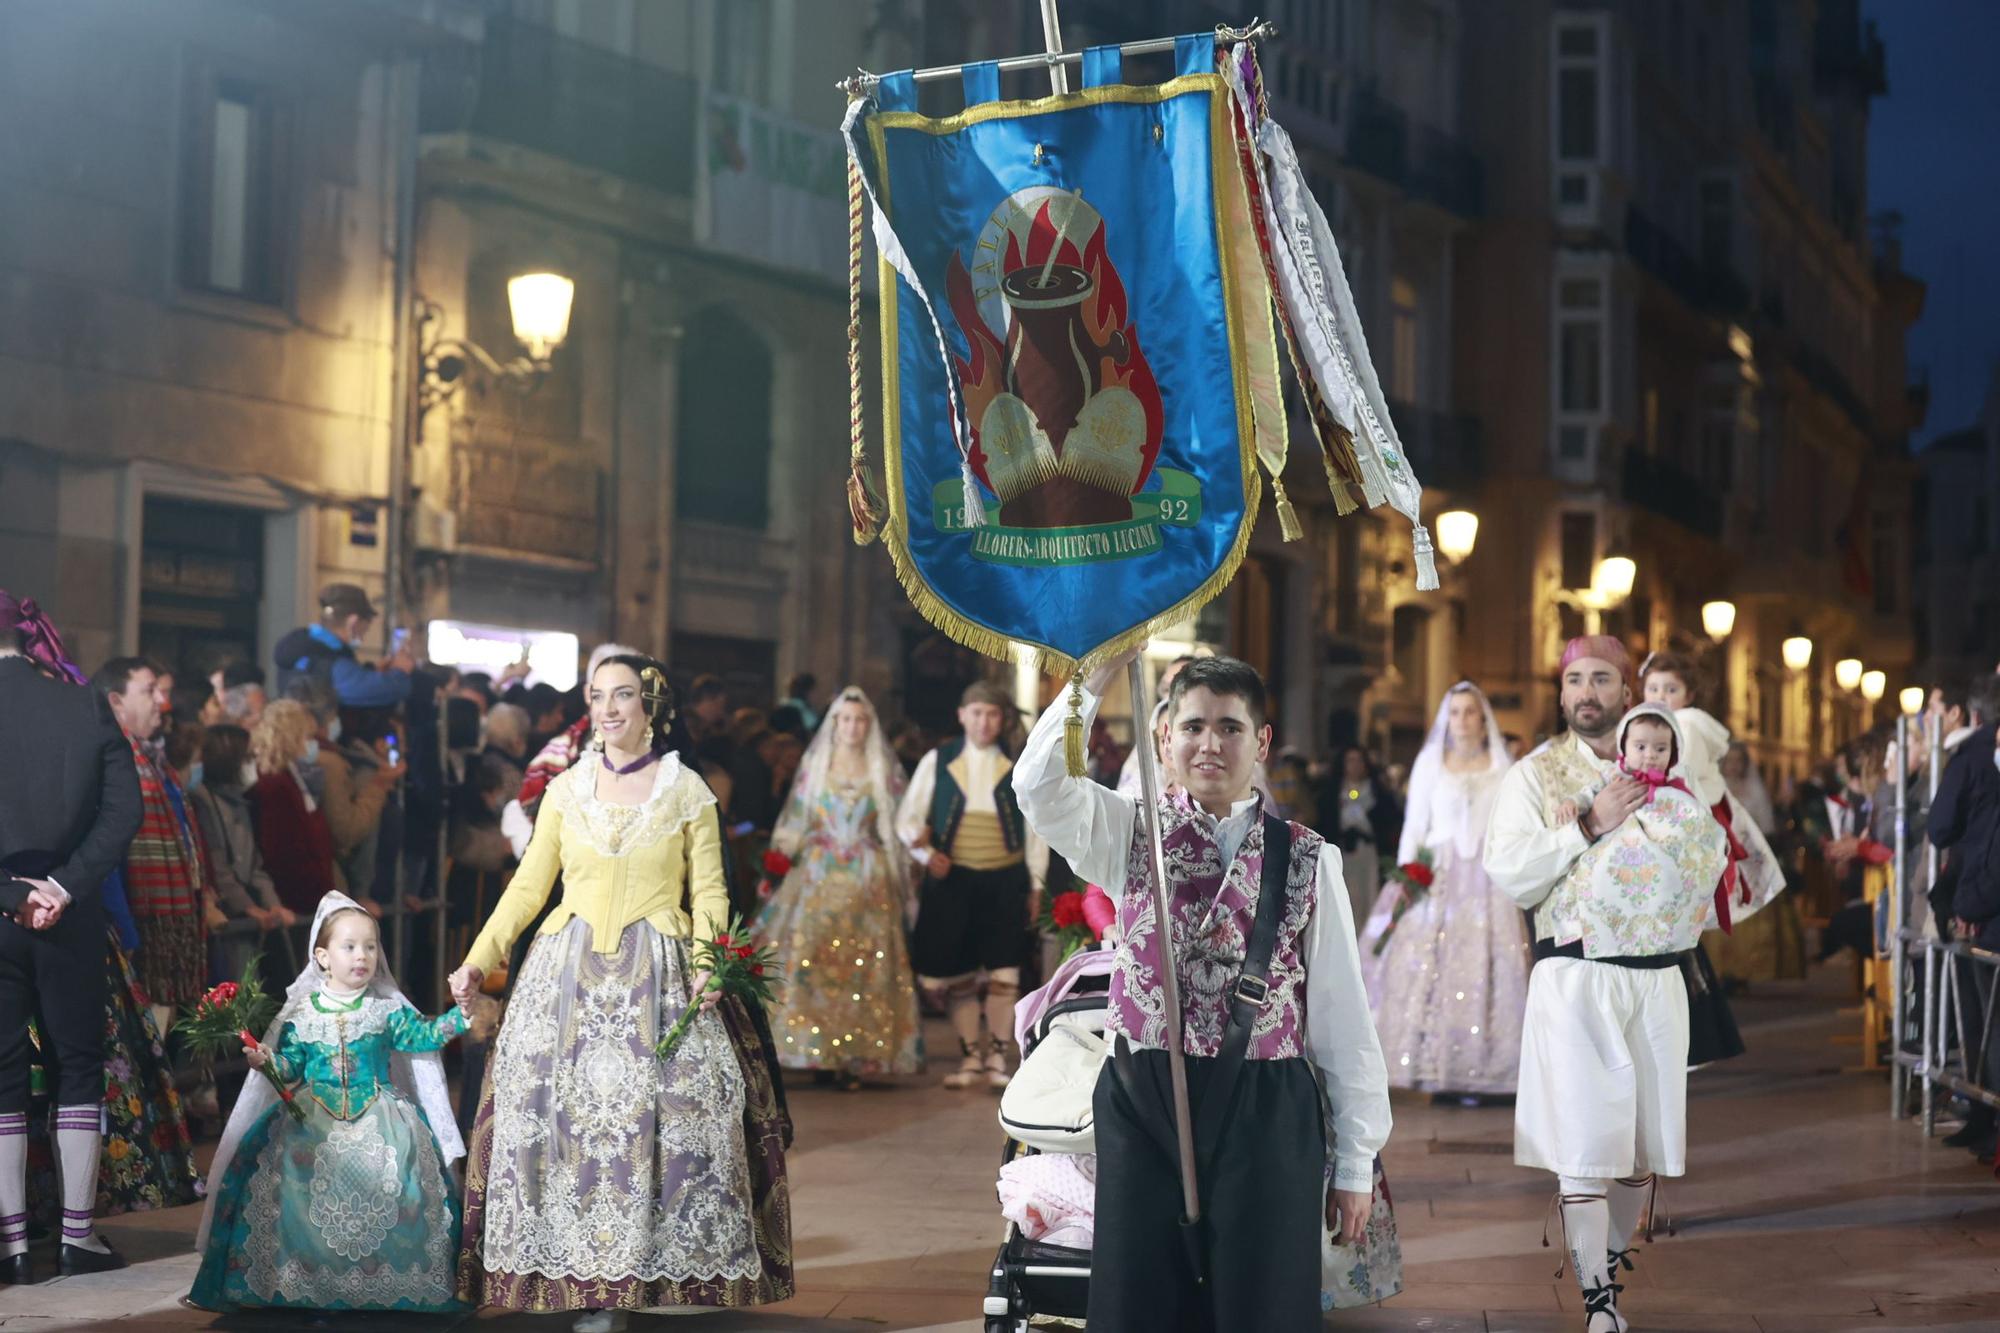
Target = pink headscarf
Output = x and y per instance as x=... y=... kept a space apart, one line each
x=1603 y=647
x=39 y=640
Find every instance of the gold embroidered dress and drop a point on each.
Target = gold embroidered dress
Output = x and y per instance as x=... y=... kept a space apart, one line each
x=599 y=1175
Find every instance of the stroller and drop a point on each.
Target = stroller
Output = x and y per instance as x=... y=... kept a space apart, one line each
x=1030 y=1278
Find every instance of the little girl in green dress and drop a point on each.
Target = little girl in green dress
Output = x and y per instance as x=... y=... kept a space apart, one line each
x=350 y=1206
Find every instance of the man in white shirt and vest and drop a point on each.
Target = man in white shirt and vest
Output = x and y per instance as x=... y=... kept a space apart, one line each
x=1287 y=1090
x=982 y=872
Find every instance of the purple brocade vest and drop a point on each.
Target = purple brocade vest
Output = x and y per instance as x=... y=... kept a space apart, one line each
x=1210 y=961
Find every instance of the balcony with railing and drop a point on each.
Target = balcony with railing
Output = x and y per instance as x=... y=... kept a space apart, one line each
x=1710 y=287
x=534 y=88
x=1671 y=491
x=1445 y=449
x=1429 y=163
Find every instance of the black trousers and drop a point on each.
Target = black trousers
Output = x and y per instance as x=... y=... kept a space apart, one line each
x=58 y=976
x=971 y=920
x=1253 y=1260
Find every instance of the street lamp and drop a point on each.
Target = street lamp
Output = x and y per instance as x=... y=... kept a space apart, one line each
x=1912 y=699
x=1797 y=652
x=1613 y=578
x=1847 y=673
x=539 y=304
x=1718 y=619
x=1457 y=531
x=1874 y=684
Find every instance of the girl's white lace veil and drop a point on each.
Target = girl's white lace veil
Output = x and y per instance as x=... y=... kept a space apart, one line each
x=419 y=1077
x=1424 y=773
x=885 y=782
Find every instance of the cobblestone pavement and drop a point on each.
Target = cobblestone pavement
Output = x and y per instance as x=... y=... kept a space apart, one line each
x=1807 y=1210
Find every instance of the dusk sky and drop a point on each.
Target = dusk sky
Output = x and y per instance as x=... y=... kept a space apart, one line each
x=1934 y=156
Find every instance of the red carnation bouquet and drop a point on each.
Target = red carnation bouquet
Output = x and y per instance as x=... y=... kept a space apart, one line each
x=227 y=1019
x=1067 y=920
x=1413 y=879
x=736 y=965
x=776 y=866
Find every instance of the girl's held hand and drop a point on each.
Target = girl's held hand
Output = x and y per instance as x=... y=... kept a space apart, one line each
x=708 y=996
x=255 y=1055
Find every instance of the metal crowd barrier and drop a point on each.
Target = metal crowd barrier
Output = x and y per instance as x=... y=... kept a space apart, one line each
x=1944 y=1043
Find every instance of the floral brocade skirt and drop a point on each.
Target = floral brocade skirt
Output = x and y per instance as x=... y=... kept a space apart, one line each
x=330 y=1214
x=849 y=997
x=599 y=1176
x=147 y=1160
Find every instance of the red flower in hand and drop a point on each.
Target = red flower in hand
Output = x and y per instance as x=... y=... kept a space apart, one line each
x=222 y=993
x=723 y=941
x=1420 y=874
x=743 y=950
x=1067 y=909
x=776 y=864
x=756 y=969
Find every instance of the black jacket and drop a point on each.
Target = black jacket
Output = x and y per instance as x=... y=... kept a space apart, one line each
x=1965 y=822
x=69 y=794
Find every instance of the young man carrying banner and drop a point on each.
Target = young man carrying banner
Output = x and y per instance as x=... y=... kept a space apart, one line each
x=1273 y=1010
x=982 y=870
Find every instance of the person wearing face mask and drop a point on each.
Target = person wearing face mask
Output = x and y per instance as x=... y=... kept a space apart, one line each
x=1273 y=1008
x=325 y=652
x=1597 y=835
x=243 y=885
x=982 y=869
x=351 y=783
x=292 y=831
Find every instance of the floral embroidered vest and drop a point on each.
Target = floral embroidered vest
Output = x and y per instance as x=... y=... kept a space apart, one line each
x=1210 y=953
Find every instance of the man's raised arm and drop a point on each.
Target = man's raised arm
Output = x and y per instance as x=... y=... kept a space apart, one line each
x=1088 y=825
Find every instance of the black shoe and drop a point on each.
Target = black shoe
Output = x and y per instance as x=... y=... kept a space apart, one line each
x=76 y=1259
x=1977 y=1129
x=18 y=1270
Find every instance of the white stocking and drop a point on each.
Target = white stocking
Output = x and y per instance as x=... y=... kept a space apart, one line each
x=1629 y=1200
x=78 y=1140
x=1587 y=1233
x=1003 y=987
x=13 y=1183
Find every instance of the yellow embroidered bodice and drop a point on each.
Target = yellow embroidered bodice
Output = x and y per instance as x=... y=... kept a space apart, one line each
x=619 y=864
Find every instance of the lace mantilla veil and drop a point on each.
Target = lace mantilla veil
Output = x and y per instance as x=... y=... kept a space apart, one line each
x=885 y=782
x=419 y=1077
x=1429 y=767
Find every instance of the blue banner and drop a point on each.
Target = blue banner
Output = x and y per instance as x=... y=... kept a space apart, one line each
x=1078 y=356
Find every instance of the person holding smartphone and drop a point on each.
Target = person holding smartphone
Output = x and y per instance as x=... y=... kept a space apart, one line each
x=326 y=651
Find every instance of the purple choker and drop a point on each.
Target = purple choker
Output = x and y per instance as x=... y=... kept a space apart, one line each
x=650 y=757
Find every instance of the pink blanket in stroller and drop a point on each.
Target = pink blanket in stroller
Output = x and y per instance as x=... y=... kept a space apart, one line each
x=1052 y=1197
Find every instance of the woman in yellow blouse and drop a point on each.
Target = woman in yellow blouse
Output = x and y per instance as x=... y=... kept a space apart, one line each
x=601 y=1178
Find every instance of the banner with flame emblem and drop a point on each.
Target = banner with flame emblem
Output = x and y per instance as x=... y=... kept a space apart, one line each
x=1080 y=355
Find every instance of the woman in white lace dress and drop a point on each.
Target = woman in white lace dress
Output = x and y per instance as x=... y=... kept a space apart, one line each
x=1449 y=984
x=600 y=1177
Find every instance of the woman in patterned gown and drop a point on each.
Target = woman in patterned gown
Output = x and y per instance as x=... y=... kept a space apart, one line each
x=601 y=1178
x=1449 y=984
x=848 y=1004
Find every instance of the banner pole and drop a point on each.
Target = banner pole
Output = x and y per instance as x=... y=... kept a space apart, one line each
x=1149 y=784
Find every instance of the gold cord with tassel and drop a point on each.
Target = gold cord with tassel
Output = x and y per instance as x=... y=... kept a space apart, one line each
x=1074 y=754
x=1288 y=517
x=864 y=508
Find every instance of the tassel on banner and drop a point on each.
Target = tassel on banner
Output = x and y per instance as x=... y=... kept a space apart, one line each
x=864 y=507
x=1427 y=572
x=1074 y=755
x=1344 y=499
x=1288 y=517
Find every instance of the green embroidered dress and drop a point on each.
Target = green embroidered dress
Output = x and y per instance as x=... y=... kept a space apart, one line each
x=350 y=1209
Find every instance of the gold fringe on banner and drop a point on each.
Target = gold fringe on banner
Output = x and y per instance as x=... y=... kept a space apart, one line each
x=864 y=509
x=1075 y=754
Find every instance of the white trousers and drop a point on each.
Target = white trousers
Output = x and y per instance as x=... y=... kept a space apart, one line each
x=1603 y=1070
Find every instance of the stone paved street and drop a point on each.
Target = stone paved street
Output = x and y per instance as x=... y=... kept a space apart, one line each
x=1808 y=1210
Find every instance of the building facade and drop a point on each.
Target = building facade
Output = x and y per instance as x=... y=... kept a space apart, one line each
x=1689 y=352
